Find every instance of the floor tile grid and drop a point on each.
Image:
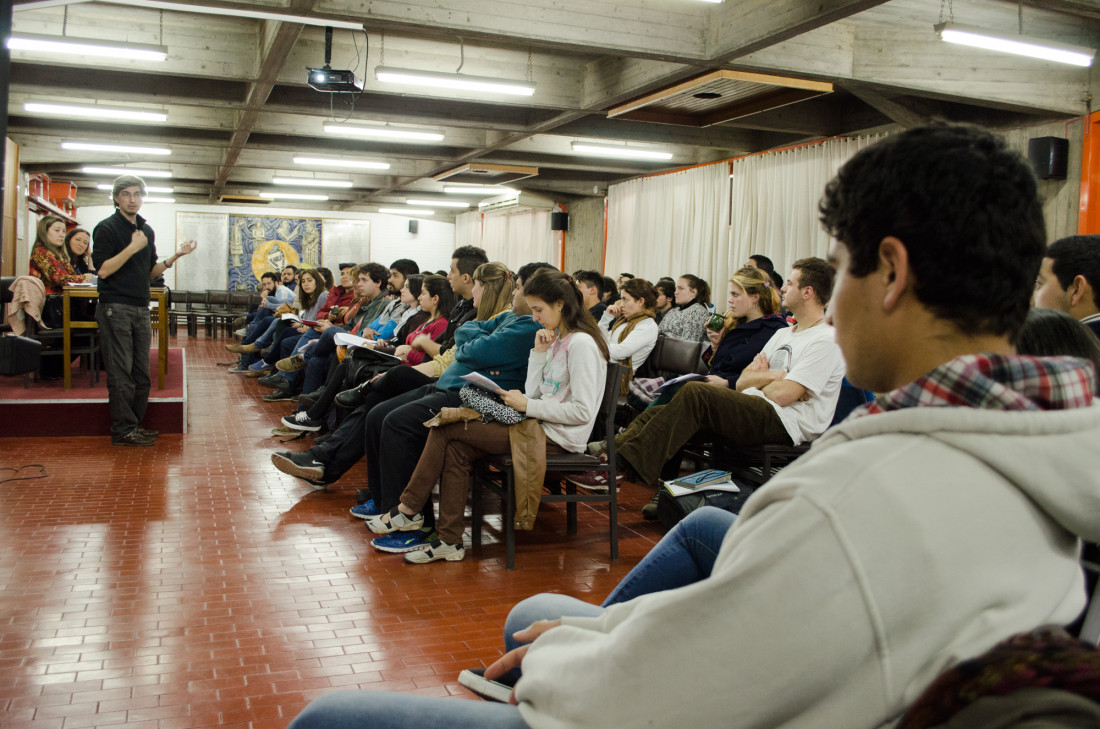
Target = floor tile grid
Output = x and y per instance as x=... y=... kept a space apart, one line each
x=192 y=585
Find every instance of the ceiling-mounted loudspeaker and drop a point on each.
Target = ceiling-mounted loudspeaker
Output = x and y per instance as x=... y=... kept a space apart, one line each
x=559 y=221
x=1049 y=157
x=414 y=226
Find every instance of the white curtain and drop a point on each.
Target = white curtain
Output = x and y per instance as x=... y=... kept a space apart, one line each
x=519 y=238
x=668 y=225
x=774 y=199
x=468 y=229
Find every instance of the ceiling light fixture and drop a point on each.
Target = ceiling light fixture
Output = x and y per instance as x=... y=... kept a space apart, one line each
x=239 y=11
x=148 y=198
x=292 y=196
x=405 y=211
x=599 y=150
x=310 y=182
x=125 y=171
x=1020 y=45
x=93 y=112
x=476 y=190
x=128 y=149
x=438 y=203
x=69 y=45
x=148 y=188
x=380 y=132
x=459 y=81
x=349 y=163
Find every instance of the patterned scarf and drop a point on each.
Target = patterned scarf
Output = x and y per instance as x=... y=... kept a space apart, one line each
x=630 y=322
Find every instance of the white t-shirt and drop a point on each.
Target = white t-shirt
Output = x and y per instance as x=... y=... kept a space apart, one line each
x=812 y=359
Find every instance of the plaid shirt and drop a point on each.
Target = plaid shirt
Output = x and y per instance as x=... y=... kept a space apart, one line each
x=995 y=382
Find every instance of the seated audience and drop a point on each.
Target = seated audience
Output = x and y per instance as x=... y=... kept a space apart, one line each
x=610 y=292
x=49 y=259
x=765 y=264
x=312 y=295
x=787 y=395
x=590 y=284
x=687 y=319
x=400 y=269
x=78 y=243
x=922 y=531
x=565 y=377
x=1069 y=279
x=628 y=327
x=435 y=299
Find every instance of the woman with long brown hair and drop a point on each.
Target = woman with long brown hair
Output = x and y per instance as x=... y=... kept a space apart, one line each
x=49 y=259
x=565 y=380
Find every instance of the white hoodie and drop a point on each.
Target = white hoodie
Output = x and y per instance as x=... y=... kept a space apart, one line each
x=902 y=543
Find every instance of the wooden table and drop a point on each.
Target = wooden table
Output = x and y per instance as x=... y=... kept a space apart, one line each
x=160 y=296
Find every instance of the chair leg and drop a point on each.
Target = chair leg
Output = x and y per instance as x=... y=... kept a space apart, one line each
x=476 y=502
x=508 y=516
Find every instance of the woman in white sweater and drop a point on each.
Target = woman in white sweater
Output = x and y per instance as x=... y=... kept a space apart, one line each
x=565 y=379
x=629 y=326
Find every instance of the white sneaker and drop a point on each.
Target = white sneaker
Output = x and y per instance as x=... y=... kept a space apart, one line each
x=398 y=522
x=436 y=551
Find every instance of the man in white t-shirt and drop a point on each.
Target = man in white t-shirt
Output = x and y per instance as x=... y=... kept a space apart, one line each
x=786 y=396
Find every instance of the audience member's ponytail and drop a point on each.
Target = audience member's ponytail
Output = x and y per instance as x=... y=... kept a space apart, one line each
x=553 y=286
x=497 y=284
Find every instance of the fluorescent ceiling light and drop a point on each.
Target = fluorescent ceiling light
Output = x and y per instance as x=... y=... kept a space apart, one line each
x=380 y=132
x=460 y=81
x=148 y=188
x=69 y=45
x=438 y=203
x=151 y=199
x=598 y=150
x=349 y=163
x=292 y=196
x=96 y=147
x=475 y=190
x=310 y=182
x=1019 y=45
x=94 y=112
x=405 y=211
x=238 y=11
x=116 y=171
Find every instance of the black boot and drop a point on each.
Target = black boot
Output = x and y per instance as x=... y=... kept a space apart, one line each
x=353 y=398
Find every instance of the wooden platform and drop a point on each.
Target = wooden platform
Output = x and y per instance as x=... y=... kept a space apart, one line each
x=48 y=409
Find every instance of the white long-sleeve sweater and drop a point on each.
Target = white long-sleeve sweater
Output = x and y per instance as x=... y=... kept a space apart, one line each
x=637 y=345
x=901 y=544
x=564 y=388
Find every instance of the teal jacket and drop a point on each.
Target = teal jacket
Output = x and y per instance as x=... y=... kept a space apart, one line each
x=498 y=348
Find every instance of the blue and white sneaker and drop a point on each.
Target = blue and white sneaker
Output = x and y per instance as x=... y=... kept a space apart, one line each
x=259 y=365
x=400 y=542
x=364 y=511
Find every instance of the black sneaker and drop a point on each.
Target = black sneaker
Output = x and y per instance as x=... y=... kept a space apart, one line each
x=495 y=690
x=279 y=396
x=275 y=381
x=134 y=438
x=300 y=465
x=301 y=421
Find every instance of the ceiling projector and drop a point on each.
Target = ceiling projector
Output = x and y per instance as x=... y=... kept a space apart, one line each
x=333 y=80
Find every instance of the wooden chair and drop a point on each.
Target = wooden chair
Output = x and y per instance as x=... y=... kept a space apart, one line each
x=495 y=473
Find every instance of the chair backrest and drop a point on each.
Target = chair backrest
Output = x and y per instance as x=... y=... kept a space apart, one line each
x=215 y=298
x=610 y=399
x=675 y=355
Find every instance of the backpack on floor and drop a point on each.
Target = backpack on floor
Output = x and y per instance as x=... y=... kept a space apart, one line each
x=671 y=509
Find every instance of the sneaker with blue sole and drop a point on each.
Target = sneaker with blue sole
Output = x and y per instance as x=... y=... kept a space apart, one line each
x=400 y=542
x=365 y=510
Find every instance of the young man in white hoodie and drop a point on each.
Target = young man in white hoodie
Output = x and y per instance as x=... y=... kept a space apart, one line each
x=924 y=529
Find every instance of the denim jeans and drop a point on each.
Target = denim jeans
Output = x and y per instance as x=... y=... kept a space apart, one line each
x=125 y=336
x=685 y=555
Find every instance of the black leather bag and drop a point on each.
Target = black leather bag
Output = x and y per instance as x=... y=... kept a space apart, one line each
x=671 y=509
x=19 y=355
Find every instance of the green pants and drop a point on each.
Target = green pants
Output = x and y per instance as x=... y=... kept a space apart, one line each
x=660 y=432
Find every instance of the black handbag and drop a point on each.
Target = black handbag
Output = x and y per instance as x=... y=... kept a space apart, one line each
x=671 y=509
x=52 y=313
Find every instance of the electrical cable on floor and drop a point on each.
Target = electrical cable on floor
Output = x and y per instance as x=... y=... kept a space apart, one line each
x=39 y=466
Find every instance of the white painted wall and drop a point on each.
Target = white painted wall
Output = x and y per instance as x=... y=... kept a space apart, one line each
x=389 y=234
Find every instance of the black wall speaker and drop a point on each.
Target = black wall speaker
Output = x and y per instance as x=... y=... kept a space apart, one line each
x=1048 y=157
x=559 y=221
x=414 y=226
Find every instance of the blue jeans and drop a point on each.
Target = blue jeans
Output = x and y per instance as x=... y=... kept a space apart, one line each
x=685 y=555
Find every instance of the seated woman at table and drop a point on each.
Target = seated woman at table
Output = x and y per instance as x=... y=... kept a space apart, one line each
x=78 y=244
x=50 y=260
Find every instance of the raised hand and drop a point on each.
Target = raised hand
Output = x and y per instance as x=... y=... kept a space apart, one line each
x=544 y=338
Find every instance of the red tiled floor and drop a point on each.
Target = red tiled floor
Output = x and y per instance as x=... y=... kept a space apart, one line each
x=192 y=585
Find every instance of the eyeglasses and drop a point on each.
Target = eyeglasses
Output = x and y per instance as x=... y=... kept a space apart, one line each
x=131 y=195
